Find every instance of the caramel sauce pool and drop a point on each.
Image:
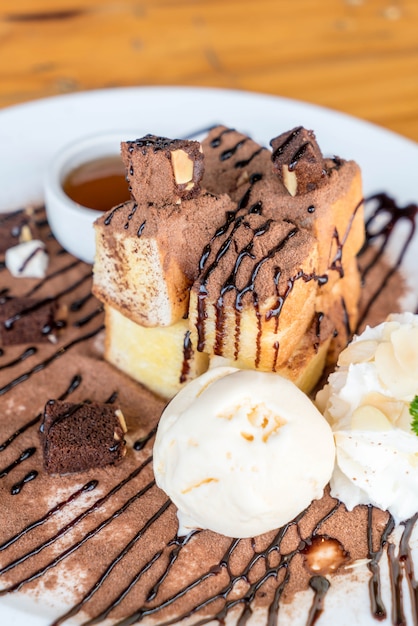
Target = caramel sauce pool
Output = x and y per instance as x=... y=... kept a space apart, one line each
x=99 y=184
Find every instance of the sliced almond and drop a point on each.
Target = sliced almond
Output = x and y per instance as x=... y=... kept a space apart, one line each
x=368 y=417
x=25 y=234
x=182 y=167
x=243 y=178
x=358 y=352
x=405 y=342
x=397 y=380
x=121 y=419
x=389 y=406
x=388 y=329
x=290 y=180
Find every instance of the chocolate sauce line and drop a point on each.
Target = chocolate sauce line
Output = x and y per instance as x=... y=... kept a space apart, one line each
x=141 y=228
x=231 y=216
x=201 y=131
x=398 y=566
x=187 y=357
x=130 y=216
x=273 y=609
x=375 y=556
x=229 y=153
x=405 y=557
x=30 y=309
x=72 y=387
x=71 y=549
x=336 y=264
x=92 y=484
x=144 y=611
x=227 y=588
x=358 y=206
x=140 y=443
x=43 y=364
x=298 y=155
x=87 y=318
x=4 y=295
x=248 y=598
x=237 y=222
x=29 y=258
x=320 y=586
x=26 y=454
x=395 y=573
x=225 y=245
x=229 y=605
x=112 y=398
x=375 y=587
x=17 y=487
x=282 y=147
x=325 y=518
x=25 y=354
x=224 y=562
x=216 y=141
x=250 y=286
x=179 y=543
x=243 y=163
x=4 y=218
x=118 y=601
x=386 y=205
x=78 y=304
x=66 y=414
x=105 y=575
x=112 y=213
x=58 y=272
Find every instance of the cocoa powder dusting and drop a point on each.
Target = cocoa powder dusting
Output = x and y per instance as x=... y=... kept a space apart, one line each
x=111 y=529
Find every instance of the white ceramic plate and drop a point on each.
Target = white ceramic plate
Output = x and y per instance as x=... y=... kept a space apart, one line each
x=30 y=134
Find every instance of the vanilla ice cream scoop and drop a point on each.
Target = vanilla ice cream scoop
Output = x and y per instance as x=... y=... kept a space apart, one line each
x=367 y=401
x=241 y=452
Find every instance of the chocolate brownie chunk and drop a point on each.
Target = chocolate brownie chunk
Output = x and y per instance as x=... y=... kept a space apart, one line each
x=26 y=320
x=15 y=228
x=298 y=160
x=77 y=437
x=162 y=171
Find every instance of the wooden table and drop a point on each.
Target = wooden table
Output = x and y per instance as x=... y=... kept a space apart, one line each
x=357 y=56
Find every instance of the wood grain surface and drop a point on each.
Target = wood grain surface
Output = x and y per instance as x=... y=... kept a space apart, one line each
x=357 y=56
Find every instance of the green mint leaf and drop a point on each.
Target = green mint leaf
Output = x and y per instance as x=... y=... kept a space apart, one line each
x=413 y=410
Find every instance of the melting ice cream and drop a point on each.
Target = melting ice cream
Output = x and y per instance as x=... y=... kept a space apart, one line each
x=241 y=452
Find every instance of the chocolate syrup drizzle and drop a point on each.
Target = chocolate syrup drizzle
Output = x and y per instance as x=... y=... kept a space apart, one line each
x=379 y=235
x=222 y=242
x=25 y=354
x=216 y=605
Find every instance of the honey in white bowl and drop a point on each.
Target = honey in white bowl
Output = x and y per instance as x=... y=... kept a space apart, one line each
x=99 y=184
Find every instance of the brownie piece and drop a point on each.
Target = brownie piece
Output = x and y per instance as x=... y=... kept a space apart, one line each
x=26 y=320
x=162 y=171
x=77 y=437
x=298 y=160
x=15 y=228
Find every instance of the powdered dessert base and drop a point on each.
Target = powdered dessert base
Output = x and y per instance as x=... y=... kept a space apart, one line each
x=102 y=545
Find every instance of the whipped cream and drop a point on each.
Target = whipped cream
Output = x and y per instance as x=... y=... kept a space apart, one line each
x=28 y=259
x=366 y=402
x=241 y=452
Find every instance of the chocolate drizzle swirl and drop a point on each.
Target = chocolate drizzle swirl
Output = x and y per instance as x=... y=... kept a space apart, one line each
x=171 y=581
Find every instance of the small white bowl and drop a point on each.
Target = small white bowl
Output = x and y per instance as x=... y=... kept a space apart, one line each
x=70 y=222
